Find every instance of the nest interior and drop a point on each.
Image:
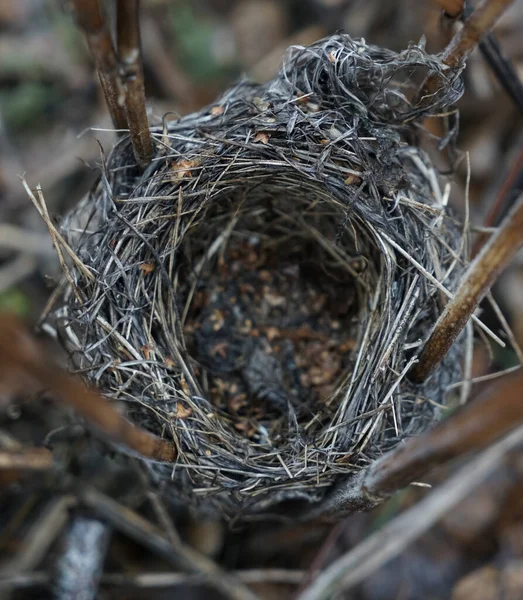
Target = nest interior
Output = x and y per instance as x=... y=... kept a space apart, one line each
x=259 y=292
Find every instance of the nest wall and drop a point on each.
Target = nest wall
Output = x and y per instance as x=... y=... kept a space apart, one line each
x=286 y=222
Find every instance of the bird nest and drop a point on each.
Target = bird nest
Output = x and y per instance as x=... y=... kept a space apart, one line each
x=258 y=293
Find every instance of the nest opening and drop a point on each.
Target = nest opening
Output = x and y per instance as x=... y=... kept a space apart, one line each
x=270 y=296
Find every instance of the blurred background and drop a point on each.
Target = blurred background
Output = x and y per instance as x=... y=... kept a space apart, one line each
x=53 y=120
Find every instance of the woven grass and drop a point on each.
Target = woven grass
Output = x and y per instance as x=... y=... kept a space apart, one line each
x=261 y=290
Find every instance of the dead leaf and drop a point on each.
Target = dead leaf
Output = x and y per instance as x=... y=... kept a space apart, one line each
x=218 y=110
x=182 y=412
x=146 y=268
x=183 y=168
x=262 y=137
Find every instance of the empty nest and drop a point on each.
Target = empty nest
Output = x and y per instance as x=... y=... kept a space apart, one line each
x=258 y=294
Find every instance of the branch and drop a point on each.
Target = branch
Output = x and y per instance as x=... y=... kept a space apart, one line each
x=452 y=8
x=495 y=413
x=129 y=51
x=26 y=369
x=482 y=273
x=475 y=27
x=27 y=459
x=380 y=547
x=91 y=21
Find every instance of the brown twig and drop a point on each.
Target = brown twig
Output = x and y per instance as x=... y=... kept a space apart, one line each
x=27 y=459
x=129 y=52
x=380 y=547
x=173 y=550
x=90 y=19
x=452 y=8
x=476 y=426
x=507 y=194
x=466 y=40
x=482 y=273
x=26 y=369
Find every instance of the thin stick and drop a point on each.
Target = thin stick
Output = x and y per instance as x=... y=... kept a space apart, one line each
x=482 y=273
x=466 y=40
x=27 y=459
x=129 y=52
x=26 y=368
x=379 y=548
x=90 y=19
x=476 y=426
x=177 y=553
x=452 y=8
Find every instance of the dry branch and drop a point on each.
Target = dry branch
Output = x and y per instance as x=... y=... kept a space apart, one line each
x=465 y=41
x=495 y=413
x=379 y=548
x=452 y=8
x=90 y=19
x=26 y=369
x=482 y=273
x=482 y=422
x=27 y=459
x=128 y=36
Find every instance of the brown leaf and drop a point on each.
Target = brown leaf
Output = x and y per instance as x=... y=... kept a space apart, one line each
x=183 y=168
x=262 y=137
x=146 y=268
x=182 y=412
x=217 y=110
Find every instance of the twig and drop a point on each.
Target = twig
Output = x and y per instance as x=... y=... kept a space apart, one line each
x=129 y=52
x=452 y=8
x=177 y=553
x=80 y=567
x=466 y=39
x=160 y=579
x=474 y=427
x=507 y=195
x=16 y=238
x=39 y=537
x=89 y=17
x=29 y=459
x=27 y=368
x=482 y=273
x=388 y=542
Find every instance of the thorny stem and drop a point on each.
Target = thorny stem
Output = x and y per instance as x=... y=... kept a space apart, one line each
x=482 y=273
x=128 y=35
x=90 y=19
x=465 y=41
x=25 y=368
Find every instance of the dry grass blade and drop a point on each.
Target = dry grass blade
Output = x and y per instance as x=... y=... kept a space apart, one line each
x=91 y=21
x=482 y=273
x=129 y=53
x=26 y=369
